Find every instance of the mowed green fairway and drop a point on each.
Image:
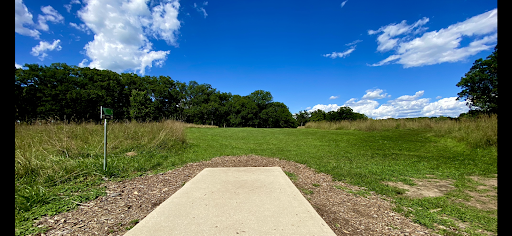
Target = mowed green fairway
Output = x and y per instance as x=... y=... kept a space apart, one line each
x=367 y=159
x=361 y=158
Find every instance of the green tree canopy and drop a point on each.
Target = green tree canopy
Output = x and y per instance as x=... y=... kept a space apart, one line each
x=67 y=92
x=343 y=113
x=480 y=84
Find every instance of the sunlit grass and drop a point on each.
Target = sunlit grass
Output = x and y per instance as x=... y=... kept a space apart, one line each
x=59 y=165
x=476 y=132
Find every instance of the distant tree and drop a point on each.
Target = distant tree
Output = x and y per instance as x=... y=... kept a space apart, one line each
x=317 y=115
x=343 y=113
x=277 y=115
x=346 y=113
x=480 y=84
x=261 y=98
x=243 y=112
x=141 y=108
x=302 y=117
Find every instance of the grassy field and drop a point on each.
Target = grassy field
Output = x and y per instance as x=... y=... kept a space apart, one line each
x=49 y=180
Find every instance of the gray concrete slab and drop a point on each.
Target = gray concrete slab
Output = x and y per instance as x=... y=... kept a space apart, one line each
x=231 y=201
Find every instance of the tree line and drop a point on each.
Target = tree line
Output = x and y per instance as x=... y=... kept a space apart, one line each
x=342 y=113
x=64 y=92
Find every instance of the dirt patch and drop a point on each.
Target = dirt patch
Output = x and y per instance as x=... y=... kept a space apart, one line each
x=484 y=197
x=486 y=194
x=131 y=154
x=487 y=182
x=425 y=187
x=129 y=201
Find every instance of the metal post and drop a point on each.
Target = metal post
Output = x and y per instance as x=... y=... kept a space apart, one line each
x=105 y=148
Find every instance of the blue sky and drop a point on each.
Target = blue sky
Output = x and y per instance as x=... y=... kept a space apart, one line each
x=382 y=58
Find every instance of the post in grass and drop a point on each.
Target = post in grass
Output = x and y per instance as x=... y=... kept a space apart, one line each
x=105 y=113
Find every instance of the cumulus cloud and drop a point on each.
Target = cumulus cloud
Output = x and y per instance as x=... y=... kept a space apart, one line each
x=165 y=23
x=439 y=46
x=23 y=18
x=445 y=107
x=51 y=15
x=83 y=63
x=121 y=29
x=333 y=97
x=375 y=94
x=326 y=108
x=18 y=66
x=43 y=46
x=401 y=107
x=409 y=97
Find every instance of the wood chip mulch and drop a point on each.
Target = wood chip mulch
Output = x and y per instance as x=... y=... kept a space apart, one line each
x=129 y=201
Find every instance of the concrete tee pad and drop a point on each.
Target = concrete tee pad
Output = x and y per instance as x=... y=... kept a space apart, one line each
x=237 y=200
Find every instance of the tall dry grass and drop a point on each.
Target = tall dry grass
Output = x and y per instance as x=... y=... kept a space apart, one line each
x=57 y=164
x=476 y=132
x=51 y=150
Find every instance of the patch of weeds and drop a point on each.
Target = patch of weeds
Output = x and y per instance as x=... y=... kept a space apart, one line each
x=447 y=216
x=316 y=185
x=131 y=224
x=292 y=176
x=393 y=227
x=306 y=191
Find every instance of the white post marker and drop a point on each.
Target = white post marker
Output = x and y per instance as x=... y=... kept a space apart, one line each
x=105 y=113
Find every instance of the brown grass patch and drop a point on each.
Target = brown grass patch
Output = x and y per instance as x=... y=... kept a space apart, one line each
x=425 y=187
x=486 y=194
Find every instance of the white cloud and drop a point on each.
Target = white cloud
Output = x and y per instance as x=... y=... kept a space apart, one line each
x=81 y=27
x=354 y=42
x=410 y=98
x=83 y=63
x=44 y=46
x=386 y=41
x=326 y=108
x=440 y=46
x=445 y=107
x=51 y=15
x=23 y=17
x=201 y=9
x=165 y=23
x=353 y=45
x=403 y=106
x=343 y=3
x=333 y=97
x=68 y=6
x=18 y=66
x=340 y=54
x=375 y=94
x=439 y=97
x=385 y=61
x=121 y=29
